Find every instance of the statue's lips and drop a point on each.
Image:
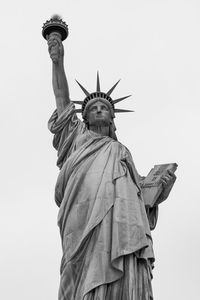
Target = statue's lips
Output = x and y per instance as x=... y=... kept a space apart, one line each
x=99 y=116
x=102 y=118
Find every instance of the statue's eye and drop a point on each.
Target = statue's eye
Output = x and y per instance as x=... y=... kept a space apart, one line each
x=93 y=108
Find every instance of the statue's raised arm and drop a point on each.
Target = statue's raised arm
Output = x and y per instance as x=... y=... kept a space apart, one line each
x=59 y=80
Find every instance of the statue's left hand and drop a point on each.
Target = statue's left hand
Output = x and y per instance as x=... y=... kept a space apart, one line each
x=167 y=181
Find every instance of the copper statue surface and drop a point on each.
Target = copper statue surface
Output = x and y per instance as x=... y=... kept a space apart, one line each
x=105 y=226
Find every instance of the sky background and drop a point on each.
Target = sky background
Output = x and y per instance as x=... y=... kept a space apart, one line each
x=154 y=47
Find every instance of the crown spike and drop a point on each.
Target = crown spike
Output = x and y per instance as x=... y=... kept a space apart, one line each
x=83 y=89
x=119 y=110
x=98 y=83
x=78 y=102
x=121 y=99
x=78 y=110
x=111 y=90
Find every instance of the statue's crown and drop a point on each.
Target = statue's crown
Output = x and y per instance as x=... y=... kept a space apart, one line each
x=101 y=95
x=55 y=24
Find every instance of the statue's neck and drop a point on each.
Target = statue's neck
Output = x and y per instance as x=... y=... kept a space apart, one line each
x=102 y=130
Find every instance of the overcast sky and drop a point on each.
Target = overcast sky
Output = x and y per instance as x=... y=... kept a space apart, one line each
x=154 y=47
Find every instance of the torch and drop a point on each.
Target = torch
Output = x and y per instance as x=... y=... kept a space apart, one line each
x=55 y=25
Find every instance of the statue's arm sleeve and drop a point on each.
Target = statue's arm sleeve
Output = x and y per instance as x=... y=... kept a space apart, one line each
x=152 y=215
x=65 y=127
x=152 y=212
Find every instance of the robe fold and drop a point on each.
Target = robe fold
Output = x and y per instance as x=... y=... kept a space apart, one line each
x=106 y=239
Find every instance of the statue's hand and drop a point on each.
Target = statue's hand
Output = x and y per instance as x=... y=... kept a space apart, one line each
x=55 y=47
x=168 y=178
x=167 y=181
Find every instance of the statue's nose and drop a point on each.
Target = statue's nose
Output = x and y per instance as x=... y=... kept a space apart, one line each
x=99 y=109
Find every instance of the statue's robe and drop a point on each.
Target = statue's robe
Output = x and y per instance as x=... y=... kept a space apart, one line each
x=106 y=239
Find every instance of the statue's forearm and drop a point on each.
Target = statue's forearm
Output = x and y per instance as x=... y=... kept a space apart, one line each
x=60 y=87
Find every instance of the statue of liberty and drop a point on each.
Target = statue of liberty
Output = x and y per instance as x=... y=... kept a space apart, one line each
x=104 y=225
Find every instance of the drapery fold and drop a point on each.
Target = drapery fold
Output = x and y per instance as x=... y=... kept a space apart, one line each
x=106 y=239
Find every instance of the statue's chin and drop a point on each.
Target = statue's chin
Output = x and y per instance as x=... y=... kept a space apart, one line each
x=101 y=123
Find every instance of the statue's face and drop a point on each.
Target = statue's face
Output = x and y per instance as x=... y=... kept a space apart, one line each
x=99 y=114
